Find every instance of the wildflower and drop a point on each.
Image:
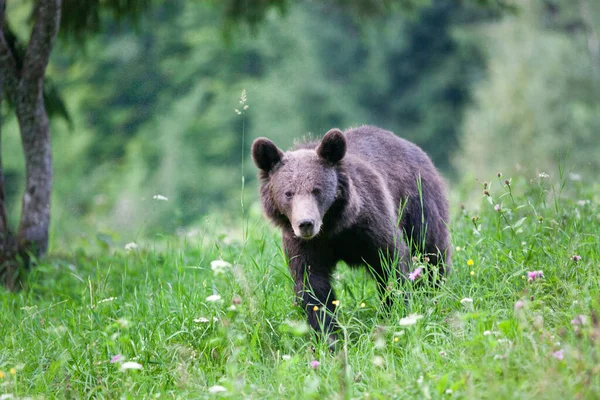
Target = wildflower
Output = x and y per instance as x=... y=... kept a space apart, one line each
x=1 y=375
x=107 y=300
x=574 y=177
x=335 y=302
x=219 y=266
x=203 y=320
x=415 y=274
x=238 y=112
x=580 y=320
x=507 y=182
x=533 y=275
x=123 y=323
x=448 y=391
x=426 y=259
x=316 y=308
x=576 y=258
x=457 y=248
x=160 y=197
x=217 y=389
x=443 y=353
x=543 y=175
x=470 y=262
x=485 y=185
x=486 y=192
x=487 y=333
x=236 y=300
x=420 y=380
x=131 y=365
x=499 y=174
x=378 y=361
x=559 y=355
x=411 y=319
x=286 y=357
x=472 y=273
x=519 y=305
x=362 y=305
x=396 y=339
x=213 y=298
x=466 y=300
x=497 y=207
x=314 y=364
x=130 y=246
x=116 y=359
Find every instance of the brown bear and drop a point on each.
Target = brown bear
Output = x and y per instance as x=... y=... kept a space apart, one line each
x=358 y=196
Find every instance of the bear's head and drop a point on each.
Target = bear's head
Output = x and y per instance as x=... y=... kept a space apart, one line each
x=299 y=187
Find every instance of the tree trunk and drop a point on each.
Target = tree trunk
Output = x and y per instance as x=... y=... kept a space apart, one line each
x=23 y=81
x=35 y=137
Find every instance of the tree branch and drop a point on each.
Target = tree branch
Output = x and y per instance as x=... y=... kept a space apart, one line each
x=45 y=29
x=9 y=73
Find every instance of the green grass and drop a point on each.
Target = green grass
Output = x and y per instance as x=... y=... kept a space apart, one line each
x=80 y=310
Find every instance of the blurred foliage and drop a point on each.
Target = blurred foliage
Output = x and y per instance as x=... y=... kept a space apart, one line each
x=152 y=99
x=541 y=102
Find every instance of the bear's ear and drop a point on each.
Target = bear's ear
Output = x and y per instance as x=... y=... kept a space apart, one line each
x=265 y=154
x=333 y=146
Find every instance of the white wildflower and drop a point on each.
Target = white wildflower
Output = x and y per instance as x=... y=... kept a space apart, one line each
x=286 y=357
x=543 y=175
x=107 y=300
x=203 y=320
x=217 y=389
x=130 y=365
x=574 y=176
x=466 y=300
x=411 y=319
x=213 y=297
x=378 y=361
x=219 y=266
x=130 y=246
x=160 y=197
x=487 y=333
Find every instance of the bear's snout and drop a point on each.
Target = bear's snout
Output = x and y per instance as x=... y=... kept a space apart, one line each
x=306 y=219
x=306 y=227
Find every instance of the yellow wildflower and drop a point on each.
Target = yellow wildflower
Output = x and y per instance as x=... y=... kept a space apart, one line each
x=316 y=308
x=470 y=262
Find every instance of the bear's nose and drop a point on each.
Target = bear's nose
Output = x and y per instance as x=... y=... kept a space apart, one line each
x=306 y=225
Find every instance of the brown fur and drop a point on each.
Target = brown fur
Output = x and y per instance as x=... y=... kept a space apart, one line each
x=339 y=200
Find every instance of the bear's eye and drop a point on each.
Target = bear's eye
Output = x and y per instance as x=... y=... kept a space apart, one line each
x=316 y=191
x=288 y=195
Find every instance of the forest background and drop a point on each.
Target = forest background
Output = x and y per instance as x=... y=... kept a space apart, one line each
x=150 y=104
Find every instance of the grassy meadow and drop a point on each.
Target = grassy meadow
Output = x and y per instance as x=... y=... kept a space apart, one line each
x=165 y=318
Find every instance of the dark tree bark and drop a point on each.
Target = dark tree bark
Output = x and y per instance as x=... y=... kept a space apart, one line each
x=23 y=82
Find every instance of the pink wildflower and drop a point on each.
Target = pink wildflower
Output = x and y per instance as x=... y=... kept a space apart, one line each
x=497 y=207
x=116 y=359
x=559 y=355
x=519 y=305
x=533 y=275
x=576 y=258
x=314 y=364
x=415 y=274
x=580 y=320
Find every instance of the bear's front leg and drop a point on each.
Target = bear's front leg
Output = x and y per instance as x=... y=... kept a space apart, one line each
x=312 y=285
